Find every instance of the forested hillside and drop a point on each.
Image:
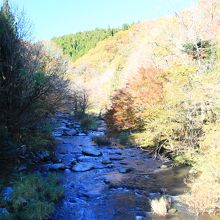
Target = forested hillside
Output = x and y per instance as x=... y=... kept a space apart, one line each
x=76 y=45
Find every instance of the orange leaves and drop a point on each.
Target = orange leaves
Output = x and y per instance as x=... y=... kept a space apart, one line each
x=130 y=105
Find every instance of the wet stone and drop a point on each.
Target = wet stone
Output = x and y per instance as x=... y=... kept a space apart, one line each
x=139 y=217
x=116 y=158
x=106 y=162
x=123 y=163
x=57 y=166
x=109 y=166
x=56 y=160
x=70 y=132
x=125 y=170
x=163 y=166
x=82 y=167
x=91 y=152
x=74 y=162
x=81 y=134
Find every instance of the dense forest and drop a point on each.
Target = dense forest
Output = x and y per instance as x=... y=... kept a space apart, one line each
x=76 y=45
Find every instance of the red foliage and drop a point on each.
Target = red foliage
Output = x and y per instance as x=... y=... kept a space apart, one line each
x=130 y=104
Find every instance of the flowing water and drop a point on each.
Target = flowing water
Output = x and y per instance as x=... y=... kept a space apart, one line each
x=113 y=183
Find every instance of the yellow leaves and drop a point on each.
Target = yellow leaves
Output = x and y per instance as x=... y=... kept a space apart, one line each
x=179 y=70
x=211 y=139
x=163 y=50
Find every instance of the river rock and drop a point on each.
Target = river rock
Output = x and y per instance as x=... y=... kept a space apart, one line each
x=56 y=160
x=82 y=167
x=76 y=125
x=57 y=166
x=163 y=166
x=57 y=133
x=6 y=193
x=81 y=134
x=70 y=132
x=74 y=162
x=123 y=163
x=92 y=152
x=116 y=158
x=106 y=162
x=139 y=218
x=125 y=170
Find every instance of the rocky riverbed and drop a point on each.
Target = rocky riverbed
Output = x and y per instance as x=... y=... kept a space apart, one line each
x=109 y=183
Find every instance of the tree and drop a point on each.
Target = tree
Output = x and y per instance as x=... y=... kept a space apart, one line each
x=31 y=83
x=133 y=104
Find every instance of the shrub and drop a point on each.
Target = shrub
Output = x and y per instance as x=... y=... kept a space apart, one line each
x=124 y=138
x=101 y=140
x=88 y=122
x=39 y=138
x=202 y=49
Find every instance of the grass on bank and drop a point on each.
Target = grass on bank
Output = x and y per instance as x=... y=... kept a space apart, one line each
x=33 y=198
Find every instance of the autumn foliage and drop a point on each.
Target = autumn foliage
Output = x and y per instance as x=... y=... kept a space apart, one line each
x=132 y=104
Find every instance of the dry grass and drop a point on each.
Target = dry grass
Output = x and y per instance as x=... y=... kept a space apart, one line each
x=160 y=206
x=203 y=196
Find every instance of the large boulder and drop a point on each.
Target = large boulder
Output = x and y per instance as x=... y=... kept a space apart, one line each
x=91 y=152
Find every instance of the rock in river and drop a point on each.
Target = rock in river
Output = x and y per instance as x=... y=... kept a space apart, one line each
x=106 y=162
x=116 y=158
x=70 y=132
x=125 y=170
x=91 y=152
x=82 y=167
x=57 y=166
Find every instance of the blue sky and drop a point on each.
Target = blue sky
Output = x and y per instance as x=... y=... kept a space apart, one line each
x=58 y=17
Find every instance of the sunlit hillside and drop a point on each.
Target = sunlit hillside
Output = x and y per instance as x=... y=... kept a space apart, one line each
x=113 y=61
